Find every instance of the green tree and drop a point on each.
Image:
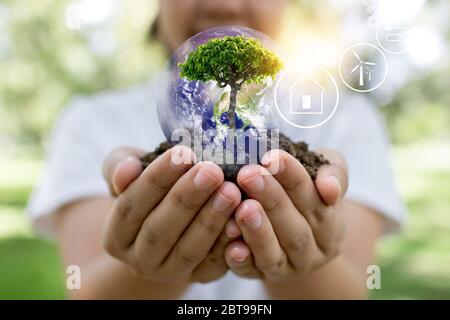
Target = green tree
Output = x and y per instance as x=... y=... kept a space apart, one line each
x=231 y=61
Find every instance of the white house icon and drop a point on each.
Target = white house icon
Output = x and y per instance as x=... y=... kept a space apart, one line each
x=305 y=105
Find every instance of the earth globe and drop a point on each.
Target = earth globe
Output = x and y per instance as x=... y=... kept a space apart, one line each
x=218 y=86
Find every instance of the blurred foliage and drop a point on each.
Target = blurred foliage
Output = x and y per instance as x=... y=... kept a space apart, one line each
x=421 y=109
x=43 y=63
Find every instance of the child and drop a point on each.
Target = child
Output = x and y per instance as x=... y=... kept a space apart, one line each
x=179 y=231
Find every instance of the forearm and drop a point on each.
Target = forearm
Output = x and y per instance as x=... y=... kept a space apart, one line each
x=338 y=279
x=107 y=278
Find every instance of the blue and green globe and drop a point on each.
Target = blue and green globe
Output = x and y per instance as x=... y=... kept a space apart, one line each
x=203 y=106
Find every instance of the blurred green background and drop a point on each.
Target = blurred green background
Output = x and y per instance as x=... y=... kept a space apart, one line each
x=47 y=55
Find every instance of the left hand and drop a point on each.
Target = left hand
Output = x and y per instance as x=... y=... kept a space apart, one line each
x=289 y=224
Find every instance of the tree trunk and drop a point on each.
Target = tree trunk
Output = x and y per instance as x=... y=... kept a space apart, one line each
x=232 y=107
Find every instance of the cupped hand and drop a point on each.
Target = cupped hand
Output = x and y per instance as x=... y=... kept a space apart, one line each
x=168 y=221
x=289 y=224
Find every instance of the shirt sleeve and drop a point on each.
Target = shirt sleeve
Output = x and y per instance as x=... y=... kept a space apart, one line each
x=360 y=134
x=72 y=169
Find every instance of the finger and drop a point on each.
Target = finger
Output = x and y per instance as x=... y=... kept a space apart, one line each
x=259 y=235
x=121 y=167
x=240 y=260
x=165 y=225
x=326 y=226
x=332 y=179
x=291 y=227
x=125 y=172
x=198 y=239
x=214 y=266
x=141 y=196
x=276 y=203
x=295 y=180
x=232 y=230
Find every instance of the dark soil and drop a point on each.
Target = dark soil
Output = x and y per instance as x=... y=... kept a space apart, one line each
x=309 y=159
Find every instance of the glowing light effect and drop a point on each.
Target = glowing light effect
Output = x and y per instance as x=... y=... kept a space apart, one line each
x=397 y=11
x=311 y=49
x=88 y=12
x=425 y=46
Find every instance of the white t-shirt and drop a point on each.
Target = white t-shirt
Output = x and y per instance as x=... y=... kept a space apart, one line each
x=91 y=127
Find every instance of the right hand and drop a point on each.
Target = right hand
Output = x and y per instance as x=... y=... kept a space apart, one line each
x=168 y=221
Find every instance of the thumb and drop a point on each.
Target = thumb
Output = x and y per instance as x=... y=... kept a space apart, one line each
x=332 y=179
x=121 y=167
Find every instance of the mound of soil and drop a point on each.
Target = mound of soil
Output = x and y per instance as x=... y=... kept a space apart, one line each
x=299 y=150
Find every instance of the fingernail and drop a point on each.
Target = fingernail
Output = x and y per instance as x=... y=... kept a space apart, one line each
x=232 y=230
x=126 y=160
x=119 y=166
x=279 y=166
x=180 y=158
x=177 y=166
x=238 y=255
x=221 y=203
x=337 y=184
x=273 y=162
x=203 y=180
x=256 y=183
x=254 y=221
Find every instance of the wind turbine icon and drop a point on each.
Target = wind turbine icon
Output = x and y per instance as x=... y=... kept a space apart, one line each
x=361 y=65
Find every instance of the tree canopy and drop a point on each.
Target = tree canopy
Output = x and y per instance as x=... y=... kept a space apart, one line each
x=231 y=60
